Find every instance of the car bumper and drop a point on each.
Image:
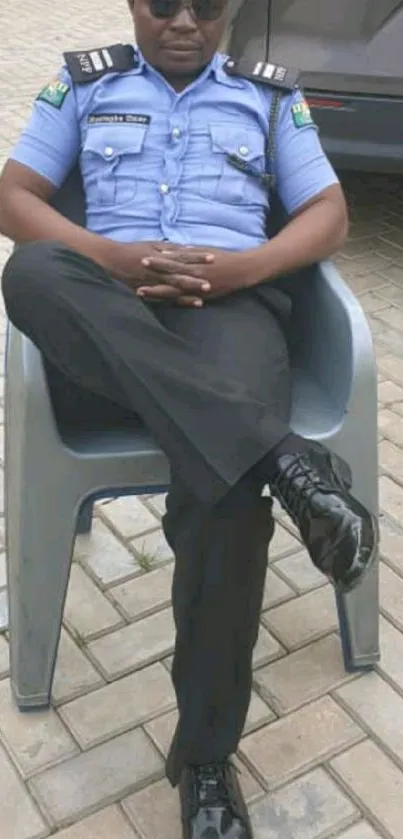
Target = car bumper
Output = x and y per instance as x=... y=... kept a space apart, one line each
x=364 y=133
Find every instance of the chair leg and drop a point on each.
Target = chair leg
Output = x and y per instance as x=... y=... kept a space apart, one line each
x=359 y=624
x=84 y=522
x=39 y=544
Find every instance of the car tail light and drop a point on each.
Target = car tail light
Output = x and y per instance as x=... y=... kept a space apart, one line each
x=319 y=102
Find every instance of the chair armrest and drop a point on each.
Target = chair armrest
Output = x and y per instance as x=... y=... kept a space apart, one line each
x=331 y=340
x=26 y=388
x=362 y=361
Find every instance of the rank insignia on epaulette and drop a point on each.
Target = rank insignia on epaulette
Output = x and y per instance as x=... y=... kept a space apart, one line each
x=90 y=66
x=275 y=75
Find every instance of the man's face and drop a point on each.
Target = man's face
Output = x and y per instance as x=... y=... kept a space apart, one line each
x=179 y=45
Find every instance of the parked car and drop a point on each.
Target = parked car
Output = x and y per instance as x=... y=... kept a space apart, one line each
x=351 y=57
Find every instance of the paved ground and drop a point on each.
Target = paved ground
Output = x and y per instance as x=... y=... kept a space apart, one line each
x=323 y=755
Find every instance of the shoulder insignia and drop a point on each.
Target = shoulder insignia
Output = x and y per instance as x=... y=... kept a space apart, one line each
x=90 y=66
x=54 y=93
x=273 y=75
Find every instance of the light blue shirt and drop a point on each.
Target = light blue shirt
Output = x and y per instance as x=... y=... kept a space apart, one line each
x=162 y=172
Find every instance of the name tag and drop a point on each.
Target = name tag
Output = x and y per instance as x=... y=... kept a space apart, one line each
x=114 y=119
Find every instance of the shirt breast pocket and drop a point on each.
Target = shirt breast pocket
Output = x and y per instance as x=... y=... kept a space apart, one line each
x=233 y=186
x=110 y=163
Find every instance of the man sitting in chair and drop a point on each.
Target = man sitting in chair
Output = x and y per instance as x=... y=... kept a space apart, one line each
x=167 y=304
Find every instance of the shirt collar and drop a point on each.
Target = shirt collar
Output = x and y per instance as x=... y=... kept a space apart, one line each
x=215 y=68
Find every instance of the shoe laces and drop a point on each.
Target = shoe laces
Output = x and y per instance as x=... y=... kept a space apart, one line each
x=297 y=500
x=214 y=785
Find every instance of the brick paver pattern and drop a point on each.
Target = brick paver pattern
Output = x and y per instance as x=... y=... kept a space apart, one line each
x=311 y=769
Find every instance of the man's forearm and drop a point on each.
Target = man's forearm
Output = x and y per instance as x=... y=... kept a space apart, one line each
x=26 y=218
x=315 y=234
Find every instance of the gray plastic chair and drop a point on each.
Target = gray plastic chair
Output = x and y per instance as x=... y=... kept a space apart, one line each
x=53 y=470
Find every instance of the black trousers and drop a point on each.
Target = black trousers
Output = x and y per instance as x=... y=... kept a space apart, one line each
x=213 y=387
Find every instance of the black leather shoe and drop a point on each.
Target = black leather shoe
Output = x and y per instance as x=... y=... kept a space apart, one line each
x=339 y=533
x=212 y=803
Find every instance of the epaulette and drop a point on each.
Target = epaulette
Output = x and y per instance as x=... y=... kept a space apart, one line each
x=90 y=66
x=273 y=75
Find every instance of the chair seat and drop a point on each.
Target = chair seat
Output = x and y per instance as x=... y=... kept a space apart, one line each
x=115 y=440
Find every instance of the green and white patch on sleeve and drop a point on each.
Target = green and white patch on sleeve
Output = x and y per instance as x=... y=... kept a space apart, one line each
x=301 y=114
x=54 y=93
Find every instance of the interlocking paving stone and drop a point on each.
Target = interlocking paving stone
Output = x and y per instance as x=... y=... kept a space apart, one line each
x=391 y=460
x=302 y=676
x=391 y=367
x=87 y=612
x=96 y=778
x=266 y=649
x=74 y=672
x=391 y=594
x=140 y=597
x=366 y=283
x=276 y=590
x=259 y=714
x=20 y=818
x=119 y=706
x=391 y=545
x=134 y=646
x=3 y=610
x=362 y=830
x=129 y=516
x=393 y=428
x=299 y=741
x=310 y=808
x=4 y=657
x=155 y=811
x=389 y=393
x=283 y=543
x=386 y=418
x=375 y=782
x=107 y=824
x=3 y=574
x=152 y=548
x=108 y=560
x=157 y=504
x=391 y=663
x=371 y=302
x=303 y=619
x=35 y=740
x=300 y=572
x=378 y=708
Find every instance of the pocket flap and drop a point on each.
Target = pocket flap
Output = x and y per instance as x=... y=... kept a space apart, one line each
x=243 y=142
x=111 y=142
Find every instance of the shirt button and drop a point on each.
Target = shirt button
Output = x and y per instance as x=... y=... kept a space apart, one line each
x=176 y=133
x=243 y=150
x=164 y=189
x=108 y=151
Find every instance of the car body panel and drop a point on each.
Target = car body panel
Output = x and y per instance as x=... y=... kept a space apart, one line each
x=351 y=59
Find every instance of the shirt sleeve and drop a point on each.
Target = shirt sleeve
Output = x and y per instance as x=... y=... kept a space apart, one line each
x=302 y=168
x=50 y=142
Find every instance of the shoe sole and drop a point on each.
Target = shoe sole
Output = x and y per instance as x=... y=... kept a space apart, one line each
x=346 y=588
x=341 y=471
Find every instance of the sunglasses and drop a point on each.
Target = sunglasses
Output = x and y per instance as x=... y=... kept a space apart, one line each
x=200 y=9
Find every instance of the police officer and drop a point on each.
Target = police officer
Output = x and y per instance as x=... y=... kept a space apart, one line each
x=167 y=306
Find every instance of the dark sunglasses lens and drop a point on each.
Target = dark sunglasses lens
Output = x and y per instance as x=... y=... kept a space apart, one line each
x=208 y=9
x=164 y=8
x=202 y=9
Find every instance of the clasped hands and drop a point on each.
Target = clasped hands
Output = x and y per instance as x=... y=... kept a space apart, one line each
x=189 y=276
